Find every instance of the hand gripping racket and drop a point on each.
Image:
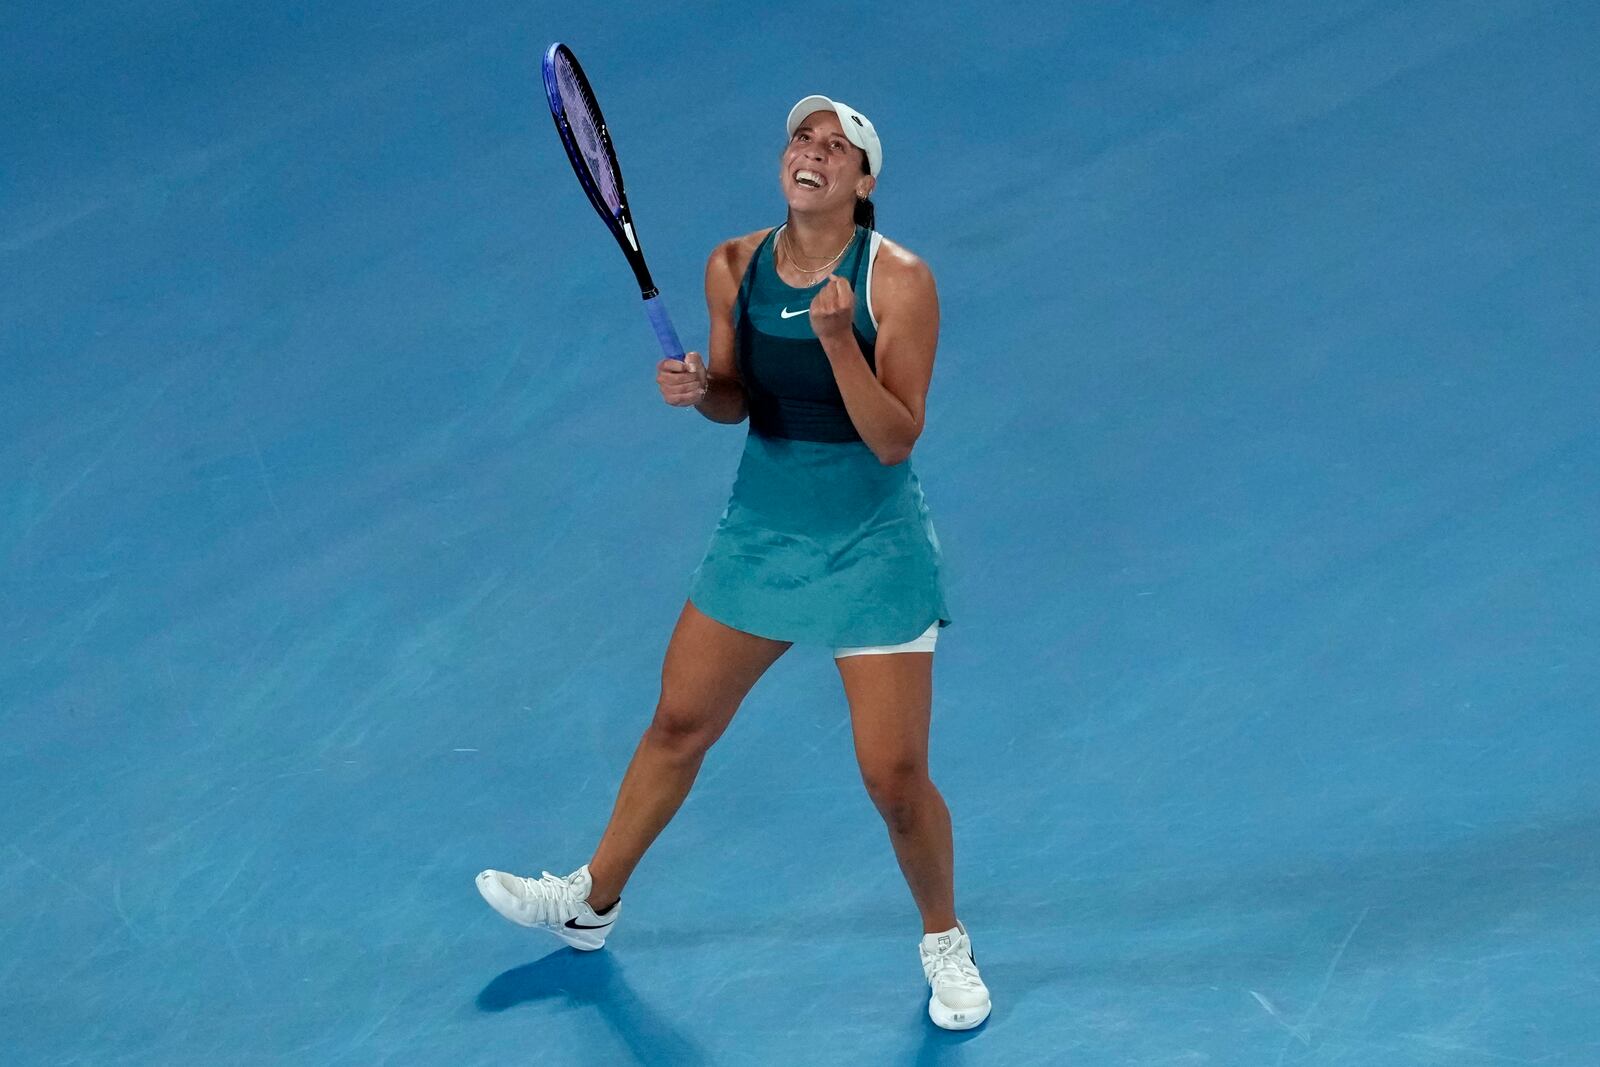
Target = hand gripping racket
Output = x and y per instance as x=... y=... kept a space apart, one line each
x=588 y=144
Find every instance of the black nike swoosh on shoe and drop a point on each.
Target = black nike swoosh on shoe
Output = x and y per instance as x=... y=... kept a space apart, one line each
x=574 y=924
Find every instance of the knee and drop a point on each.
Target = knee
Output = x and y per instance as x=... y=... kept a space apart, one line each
x=681 y=730
x=897 y=788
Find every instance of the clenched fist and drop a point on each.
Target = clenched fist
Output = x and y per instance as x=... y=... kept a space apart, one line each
x=833 y=309
x=682 y=381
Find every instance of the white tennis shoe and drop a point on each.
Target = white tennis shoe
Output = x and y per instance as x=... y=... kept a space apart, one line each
x=558 y=905
x=959 y=1000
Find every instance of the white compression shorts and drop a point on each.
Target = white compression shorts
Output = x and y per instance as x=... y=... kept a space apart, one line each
x=916 y=644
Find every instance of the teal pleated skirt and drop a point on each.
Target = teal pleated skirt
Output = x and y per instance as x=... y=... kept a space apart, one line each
x=822 y=544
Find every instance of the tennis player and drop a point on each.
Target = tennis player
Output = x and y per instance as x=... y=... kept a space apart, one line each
x=823 y=336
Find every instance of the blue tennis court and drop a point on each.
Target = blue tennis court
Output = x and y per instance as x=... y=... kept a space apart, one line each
x=342 y=530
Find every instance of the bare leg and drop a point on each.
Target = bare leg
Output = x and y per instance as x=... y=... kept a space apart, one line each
x=709 y=669
x=891 y=699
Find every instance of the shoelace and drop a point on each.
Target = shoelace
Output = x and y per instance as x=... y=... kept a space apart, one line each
x=546 y=894
x=953 y=966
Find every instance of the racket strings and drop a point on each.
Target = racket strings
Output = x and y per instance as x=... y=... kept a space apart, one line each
x=583 y=117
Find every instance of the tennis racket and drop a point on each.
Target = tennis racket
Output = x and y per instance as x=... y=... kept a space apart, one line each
x=588 y=144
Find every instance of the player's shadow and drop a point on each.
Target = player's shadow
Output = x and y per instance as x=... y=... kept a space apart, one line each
x=593 y=978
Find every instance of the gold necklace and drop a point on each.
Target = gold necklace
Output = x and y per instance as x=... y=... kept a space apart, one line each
x=784 y=229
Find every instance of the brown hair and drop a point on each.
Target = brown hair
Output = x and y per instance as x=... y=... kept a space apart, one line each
x=866 y=213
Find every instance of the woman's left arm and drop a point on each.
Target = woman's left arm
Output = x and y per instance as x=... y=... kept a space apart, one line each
x=888 y=409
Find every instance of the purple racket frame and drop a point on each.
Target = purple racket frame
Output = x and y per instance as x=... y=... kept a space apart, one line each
x=619 y=221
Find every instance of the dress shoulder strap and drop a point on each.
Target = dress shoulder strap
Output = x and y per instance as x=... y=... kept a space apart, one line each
x=743 y=303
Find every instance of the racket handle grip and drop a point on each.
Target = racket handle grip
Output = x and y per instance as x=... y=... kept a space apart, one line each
x=656 y=308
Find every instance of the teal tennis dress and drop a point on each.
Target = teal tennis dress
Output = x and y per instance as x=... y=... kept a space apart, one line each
x=820 y=543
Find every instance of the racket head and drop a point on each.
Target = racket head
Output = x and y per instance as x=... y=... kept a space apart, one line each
x=587 y=141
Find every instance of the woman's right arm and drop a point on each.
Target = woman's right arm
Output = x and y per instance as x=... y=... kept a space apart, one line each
x=724 y=400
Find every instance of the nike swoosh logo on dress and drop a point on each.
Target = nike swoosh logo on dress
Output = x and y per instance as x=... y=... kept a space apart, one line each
x=787 y=314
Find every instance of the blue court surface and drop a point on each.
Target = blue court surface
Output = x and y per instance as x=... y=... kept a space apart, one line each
x=342 y=530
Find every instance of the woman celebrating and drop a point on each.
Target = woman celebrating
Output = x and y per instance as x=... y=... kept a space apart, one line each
x=823 y=335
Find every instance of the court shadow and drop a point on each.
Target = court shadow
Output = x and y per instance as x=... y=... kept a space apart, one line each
x=1405 y=902
x=943 y=1048
x=595 y=979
